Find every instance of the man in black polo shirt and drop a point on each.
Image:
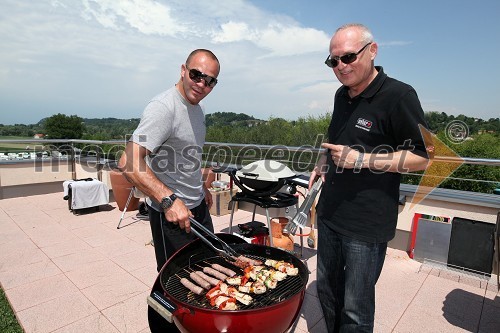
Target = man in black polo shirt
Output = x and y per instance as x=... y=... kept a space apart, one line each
x=373 y=136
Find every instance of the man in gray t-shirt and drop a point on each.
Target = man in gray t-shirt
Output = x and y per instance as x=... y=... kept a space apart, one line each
x=163 y=156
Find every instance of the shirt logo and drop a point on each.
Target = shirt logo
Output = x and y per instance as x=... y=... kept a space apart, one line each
x=364 y=124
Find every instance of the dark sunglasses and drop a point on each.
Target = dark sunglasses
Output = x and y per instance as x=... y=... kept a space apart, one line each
x=346 y=58
x=197 y=76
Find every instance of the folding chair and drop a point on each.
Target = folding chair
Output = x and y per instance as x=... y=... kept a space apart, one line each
x=134 y=192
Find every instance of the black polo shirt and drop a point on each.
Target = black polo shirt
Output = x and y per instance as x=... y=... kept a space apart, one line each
x=383 y=118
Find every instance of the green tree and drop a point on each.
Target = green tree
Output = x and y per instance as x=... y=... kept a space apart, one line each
x=475 y=178
x=60 y=126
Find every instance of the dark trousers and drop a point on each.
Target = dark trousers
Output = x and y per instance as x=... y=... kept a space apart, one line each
x=169 y=237
x=348 y=270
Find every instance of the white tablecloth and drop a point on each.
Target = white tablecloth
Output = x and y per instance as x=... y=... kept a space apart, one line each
x=85 y=194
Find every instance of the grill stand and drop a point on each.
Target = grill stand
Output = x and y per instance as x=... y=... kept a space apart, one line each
x=278 y=200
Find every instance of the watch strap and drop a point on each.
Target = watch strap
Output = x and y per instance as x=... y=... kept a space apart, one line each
x=358 y=165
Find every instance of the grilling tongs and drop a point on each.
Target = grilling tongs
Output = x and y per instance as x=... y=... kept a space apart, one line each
x=300 y=219
x=226 y=251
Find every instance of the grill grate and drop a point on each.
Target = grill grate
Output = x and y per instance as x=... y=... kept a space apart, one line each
x=284 y=290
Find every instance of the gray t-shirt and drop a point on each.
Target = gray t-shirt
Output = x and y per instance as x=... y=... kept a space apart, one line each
x=174 y=131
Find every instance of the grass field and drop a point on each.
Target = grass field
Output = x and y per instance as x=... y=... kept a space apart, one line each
x=8 y=321
x=15 y=147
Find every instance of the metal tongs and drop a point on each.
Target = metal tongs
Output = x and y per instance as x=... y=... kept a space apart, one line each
x=300 y=219
x=226 y=251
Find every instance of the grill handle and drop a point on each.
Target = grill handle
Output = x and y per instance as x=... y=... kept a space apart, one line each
x=227 y=251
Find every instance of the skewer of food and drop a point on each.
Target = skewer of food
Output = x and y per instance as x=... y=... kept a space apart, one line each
x=209 y=279
x=223 y=270
x=282 y=266
x=215 y=273
x=191 y=286
x=224 y=290
x=243 y=262
x=200 y=281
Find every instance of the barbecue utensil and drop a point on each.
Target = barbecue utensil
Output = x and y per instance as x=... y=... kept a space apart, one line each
x=226 y=250
x=300 y=219
x=311 y=239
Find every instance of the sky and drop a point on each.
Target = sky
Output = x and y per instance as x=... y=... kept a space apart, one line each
x=108 y=58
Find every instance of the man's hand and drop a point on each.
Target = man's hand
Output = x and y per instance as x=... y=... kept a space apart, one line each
x=318 y=171
x=179 y=214
x=342 y=156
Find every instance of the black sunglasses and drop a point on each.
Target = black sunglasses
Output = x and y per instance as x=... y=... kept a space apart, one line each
x=346 y=58
x=197 y=76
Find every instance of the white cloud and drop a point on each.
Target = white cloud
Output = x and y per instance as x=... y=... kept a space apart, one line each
x=281 y=40
x=147 y=16
x=233 y=32
x=107 y=58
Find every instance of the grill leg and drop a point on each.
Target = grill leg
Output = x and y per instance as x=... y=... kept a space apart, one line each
x=231 y=218
x=269 y=228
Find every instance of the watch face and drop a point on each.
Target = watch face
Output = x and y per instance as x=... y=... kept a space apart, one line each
x=166 y=203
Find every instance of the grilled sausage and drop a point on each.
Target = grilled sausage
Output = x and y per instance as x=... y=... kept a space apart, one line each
x=224 y=270
x=214 y=272
x=199 y=280
x=191 y=286
x=209 y=279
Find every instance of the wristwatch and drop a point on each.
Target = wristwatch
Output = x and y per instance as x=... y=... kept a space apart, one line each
x=167 y=202
x=358 y=165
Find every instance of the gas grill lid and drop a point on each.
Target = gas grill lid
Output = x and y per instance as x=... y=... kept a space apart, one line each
x=265 y=170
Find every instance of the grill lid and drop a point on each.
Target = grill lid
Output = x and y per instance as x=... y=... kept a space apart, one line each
x=265 y=170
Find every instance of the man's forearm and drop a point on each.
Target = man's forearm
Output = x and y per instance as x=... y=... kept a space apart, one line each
x=135 y=169
x=400 y=161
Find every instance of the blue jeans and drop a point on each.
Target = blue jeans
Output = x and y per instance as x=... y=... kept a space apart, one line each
x=348 y=270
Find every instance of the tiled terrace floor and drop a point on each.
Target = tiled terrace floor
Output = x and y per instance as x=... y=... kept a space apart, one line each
x=67 y=273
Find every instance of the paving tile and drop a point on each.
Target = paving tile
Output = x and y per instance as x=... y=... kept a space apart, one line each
x=40 y=291
x=141 y=234
x=11 y=234
x=49 y=235
x=65 y=248
x=94 y=273
x=128 y=316
x=51 y=315
x=146 y=274
x=19 y=253
x=119 y=247
x=490 y=318
x=17 y=276
x=114 y=290
x=381 y=328
x=70 y=221
x=29 y=221
x=95 y=323
x=7 y=224
x=73 y=261
x=311 y=287
x=394 y=290
x=310 y=313
x=139 y=258
x=98 y=235
x=442 y=305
